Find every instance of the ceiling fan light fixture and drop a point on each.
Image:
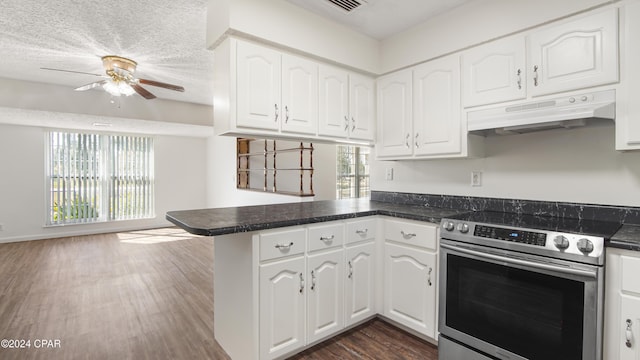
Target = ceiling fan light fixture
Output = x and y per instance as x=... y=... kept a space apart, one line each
x=118 y=88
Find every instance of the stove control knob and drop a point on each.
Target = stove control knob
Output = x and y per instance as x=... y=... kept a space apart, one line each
x=561 y=242
x=448 y=226
x=585 y=245
x=463 y=228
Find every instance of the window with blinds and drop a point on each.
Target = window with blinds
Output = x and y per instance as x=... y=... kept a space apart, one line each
x=98 y=177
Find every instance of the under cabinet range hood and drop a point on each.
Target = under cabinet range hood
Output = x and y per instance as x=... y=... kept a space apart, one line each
x=562 y=112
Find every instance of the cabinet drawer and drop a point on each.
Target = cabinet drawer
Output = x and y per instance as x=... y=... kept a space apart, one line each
x=361 y=230
x=282 y=243
x=630 y=271
x=326 y=236
x=422 y=235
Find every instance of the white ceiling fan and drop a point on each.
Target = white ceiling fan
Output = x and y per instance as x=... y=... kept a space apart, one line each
x=119 y=79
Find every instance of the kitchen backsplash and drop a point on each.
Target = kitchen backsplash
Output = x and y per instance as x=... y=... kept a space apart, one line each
x=626 y=215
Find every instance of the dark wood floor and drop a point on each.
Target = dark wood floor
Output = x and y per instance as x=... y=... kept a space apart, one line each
x=140 y=295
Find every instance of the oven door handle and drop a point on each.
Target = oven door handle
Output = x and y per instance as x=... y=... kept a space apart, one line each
x=528 y=263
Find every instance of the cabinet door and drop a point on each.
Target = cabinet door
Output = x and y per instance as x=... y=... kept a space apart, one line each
x=282 y=307
x=360 y=283
x=361 y=107
x=410 y=288
x=494 y=72
x=334 y=101
x=258 y=87
x=299 y=95
x=436 y=107
x=394 y=115
x=628 y=108
x=630 y=311
x=325 y=295
x=577 y=54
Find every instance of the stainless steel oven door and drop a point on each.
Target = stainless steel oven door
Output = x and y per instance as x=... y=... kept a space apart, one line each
x=510 y=305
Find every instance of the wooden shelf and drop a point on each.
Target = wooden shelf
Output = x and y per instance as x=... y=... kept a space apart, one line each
x=258 y=161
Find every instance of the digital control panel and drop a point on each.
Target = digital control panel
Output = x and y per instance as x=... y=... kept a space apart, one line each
x=513 y=235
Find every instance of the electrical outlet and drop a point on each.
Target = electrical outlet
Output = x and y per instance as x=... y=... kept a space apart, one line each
x=1 y=227
x=388 y=175
x=476 y=178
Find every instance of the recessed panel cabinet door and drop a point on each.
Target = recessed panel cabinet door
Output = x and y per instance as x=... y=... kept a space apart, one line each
x=362 y=107
x=334 y=101
x=282 y=307
x=577 y=54
x=258 y=87
x=410 y=288
x=395 y=114
x=360 y=283
x=299 y=95
x=494 y=72
x=436 y=107
x=325 y=294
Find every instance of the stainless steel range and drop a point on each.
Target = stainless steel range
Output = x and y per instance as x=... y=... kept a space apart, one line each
x=521 y=287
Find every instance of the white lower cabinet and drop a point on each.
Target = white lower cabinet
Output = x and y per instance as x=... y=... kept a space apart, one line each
x=325 y=294
x=410 y=288
x=622 y=305
x=359 y=290
x=282 y=307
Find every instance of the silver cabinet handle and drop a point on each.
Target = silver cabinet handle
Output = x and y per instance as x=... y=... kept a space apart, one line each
x=406 y=140
x=417 y=143
x=301 y=283
x=519 y=74
x=362 y=232
x=629 y=334
x=313 y=280
x=407 y=235
x=353 y=124
x=327 y=238
x=350 y=270
x=535 y=75
x=429 y=278
x=284 y=246
x=286 y=114
x=276 y=112
x=346 y=123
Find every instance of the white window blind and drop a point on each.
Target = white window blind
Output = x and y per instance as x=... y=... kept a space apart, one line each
x=94 y=178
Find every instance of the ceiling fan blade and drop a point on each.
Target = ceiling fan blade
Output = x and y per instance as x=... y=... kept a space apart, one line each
x=142 y=91
x=91 y=86
x=75 y=72
x=161 y=84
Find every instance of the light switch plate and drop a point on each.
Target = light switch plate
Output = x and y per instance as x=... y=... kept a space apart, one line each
x=388 y=174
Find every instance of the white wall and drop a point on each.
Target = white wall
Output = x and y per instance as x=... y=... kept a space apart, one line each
x=221 y=176
x=577 y=165
x=180 y=184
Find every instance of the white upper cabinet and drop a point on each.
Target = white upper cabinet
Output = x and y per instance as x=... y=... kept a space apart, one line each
x=571 y=55
x=347 y=107
x=334 y=101
x=258 y=83
x=299 y=95
x=576 y=54
x=494 y=72
x=276 y=90
x=628 y=110
x=362 y=107
x=436 y=107
x=395 y=118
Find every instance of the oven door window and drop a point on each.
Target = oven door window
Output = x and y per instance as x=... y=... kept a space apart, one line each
x=534 y=315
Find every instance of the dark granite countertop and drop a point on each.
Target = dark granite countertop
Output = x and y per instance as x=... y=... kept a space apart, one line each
x=220 y=221
x=628 y=237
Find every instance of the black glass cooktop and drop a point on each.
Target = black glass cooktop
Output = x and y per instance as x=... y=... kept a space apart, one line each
x=605 y=229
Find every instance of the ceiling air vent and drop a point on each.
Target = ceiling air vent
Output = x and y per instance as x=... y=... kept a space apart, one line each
x=347 y=5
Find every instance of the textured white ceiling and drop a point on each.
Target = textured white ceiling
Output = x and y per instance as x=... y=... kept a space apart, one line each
x=381 y=18
x=165 y=37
